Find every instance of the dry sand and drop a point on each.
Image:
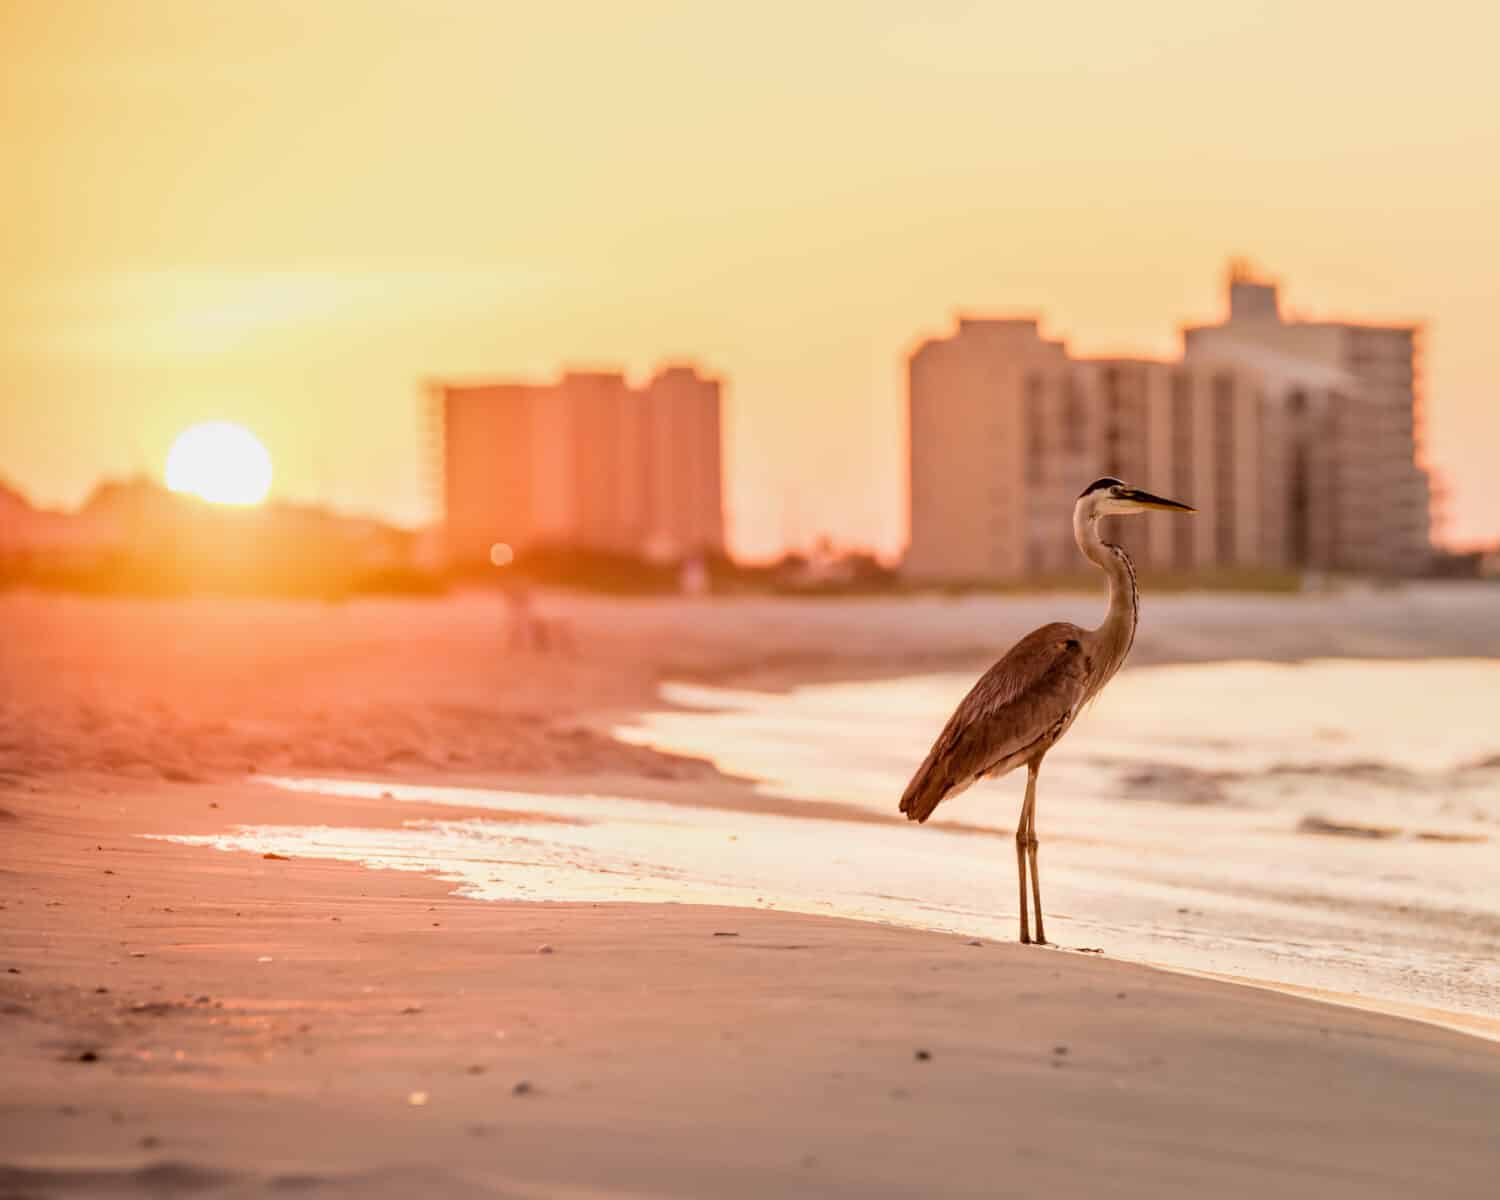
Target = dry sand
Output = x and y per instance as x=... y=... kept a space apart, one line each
x=191 y=689
x=271 y=1027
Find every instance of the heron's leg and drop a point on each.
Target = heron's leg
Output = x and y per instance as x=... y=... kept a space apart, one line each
x=1032 y=771
x=1026 y=848
x=1021 y=870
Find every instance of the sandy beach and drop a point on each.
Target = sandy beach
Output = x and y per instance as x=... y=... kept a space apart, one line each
x=183 y=1021
x=189 y=689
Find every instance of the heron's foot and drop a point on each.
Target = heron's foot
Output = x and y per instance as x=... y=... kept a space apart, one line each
x=1026 y=939
x=1041 y=941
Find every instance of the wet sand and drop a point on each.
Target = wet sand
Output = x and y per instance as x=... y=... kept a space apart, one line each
x=270 y=1026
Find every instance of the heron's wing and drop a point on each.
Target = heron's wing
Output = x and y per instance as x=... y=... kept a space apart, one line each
x=1019 y=704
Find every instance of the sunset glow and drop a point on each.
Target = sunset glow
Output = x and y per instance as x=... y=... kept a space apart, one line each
x=313 y=208
x=220 y=462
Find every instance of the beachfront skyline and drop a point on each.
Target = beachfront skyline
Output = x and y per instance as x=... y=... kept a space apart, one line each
x=290 y=218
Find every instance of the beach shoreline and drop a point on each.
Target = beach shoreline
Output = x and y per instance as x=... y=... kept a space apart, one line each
x=265 y=1018
x=215 y=687
x=270 y=1023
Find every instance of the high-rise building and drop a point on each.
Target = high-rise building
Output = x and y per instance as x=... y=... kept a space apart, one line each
x=1291 y=456
x=1358 y=450
x=971 y=491
x=587 y=462
x=1007 y=428
x=684 y=463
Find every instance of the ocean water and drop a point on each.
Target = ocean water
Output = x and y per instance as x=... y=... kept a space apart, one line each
x=1329 y=826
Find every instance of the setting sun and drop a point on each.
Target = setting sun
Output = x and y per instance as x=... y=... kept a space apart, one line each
x=220 y=462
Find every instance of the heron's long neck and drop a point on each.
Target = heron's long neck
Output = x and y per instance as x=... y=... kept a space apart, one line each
x=1118 y=631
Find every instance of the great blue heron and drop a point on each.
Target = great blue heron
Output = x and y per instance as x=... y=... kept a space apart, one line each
x=1024 y=703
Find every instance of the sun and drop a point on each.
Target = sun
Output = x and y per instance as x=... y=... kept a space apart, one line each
x=221 y=462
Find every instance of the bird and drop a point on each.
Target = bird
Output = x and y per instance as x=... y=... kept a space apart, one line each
x=1022 y=706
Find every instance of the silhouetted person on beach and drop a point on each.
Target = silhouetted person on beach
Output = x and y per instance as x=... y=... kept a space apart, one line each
x=524 y=631
x=527 y=629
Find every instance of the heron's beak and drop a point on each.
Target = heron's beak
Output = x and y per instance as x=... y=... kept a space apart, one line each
x=1147 y=500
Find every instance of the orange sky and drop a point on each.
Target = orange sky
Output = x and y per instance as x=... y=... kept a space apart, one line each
x=287 y=214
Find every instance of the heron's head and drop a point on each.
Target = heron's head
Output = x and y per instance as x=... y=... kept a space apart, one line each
x=1110 y=496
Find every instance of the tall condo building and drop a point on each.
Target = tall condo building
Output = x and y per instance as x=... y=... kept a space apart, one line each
x=588 y=461
x=1356 y=454
x=1007 y=428
x=1283 y=455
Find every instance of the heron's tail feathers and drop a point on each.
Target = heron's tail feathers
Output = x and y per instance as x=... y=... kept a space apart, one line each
x=924 y=793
